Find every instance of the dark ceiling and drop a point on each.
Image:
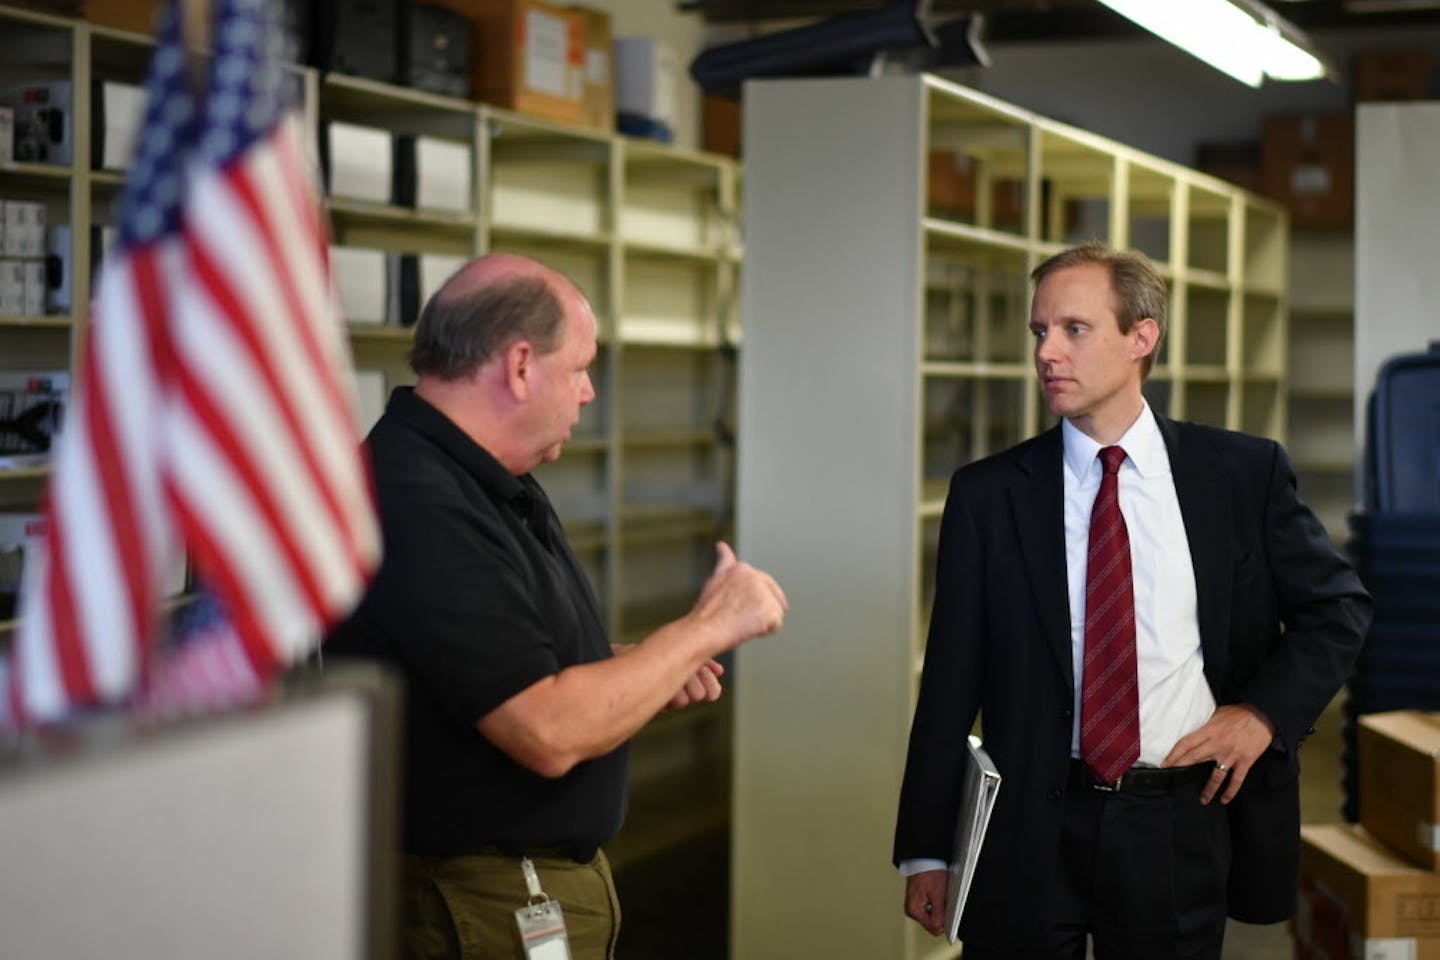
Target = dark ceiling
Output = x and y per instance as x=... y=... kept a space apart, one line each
x=1010 y=21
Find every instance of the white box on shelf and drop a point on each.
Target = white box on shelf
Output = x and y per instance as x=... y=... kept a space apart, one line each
x=34 y=242
x=442 y=175
x=361 y=160
x=24 y=229
x=14 y=235
x=645 y=78
x=122 y=108
x=7 y=134
x=435 y=269
x=33 y=288
x=370 y=398
x=360 y=282
x=12 y=287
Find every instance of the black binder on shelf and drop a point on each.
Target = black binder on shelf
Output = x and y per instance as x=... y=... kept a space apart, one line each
x=977 y=799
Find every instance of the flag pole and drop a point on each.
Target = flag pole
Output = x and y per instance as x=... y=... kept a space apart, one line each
x=195 y=19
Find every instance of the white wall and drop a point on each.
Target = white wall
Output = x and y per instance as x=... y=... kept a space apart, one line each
x=1397 y=231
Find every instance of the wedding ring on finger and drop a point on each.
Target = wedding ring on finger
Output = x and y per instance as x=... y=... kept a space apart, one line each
x=1222 y=767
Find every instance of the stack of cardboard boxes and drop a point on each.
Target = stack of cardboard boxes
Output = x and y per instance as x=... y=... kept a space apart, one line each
x=547 y=59
x=1306 y=161
x=1371 y=891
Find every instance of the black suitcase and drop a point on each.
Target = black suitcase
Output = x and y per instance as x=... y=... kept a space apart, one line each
x=1404 y=442
x=355 y=37
x=433 y=49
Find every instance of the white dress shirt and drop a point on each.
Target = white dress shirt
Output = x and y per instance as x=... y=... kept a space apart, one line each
x=1174 y=697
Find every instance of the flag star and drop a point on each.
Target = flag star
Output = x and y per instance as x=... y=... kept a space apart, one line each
x=167 y=62
x=227 y=106
x=219 y=143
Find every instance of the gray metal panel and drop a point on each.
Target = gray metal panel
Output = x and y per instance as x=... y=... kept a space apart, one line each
x=826 y=502
x=1397 y=230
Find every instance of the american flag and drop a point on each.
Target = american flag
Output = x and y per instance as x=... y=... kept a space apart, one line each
x=213 y=404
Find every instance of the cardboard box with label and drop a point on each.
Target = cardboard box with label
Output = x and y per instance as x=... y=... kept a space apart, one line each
x=529 y=56
x=135 y=15
x=1389 y=75
x=950 y=188
x=599 y=76
x=721 y=124
x=1400 y=782
x=1359 y=901
x=1308 y=165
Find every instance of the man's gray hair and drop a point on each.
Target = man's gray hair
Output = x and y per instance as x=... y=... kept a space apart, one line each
x=457 y=334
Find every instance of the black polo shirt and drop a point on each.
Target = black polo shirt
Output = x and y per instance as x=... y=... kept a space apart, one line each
x=477 y=598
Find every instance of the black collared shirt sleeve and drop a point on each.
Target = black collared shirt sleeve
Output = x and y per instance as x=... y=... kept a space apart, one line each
x=481 y=639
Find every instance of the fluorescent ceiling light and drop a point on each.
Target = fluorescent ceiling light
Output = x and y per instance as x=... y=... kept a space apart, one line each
x=1240 y=37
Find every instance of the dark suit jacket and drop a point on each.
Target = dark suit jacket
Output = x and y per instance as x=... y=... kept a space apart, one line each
x=999 y=646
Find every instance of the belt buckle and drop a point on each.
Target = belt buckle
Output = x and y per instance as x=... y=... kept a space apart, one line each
x=1109 y=787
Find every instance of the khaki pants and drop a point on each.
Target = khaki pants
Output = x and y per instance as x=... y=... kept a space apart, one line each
x=463 y=908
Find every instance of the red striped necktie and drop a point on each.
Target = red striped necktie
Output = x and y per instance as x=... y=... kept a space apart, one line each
x=1110 y=697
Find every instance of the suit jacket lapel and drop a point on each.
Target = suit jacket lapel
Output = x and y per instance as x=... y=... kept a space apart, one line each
x=1203 y=490
x=1038 y=505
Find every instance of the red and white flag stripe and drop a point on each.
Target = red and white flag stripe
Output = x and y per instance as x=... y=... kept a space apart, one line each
x=214 y=410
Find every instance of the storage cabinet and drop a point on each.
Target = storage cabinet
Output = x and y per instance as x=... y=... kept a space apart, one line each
x=886 y=344
x=1321 y=389
x=649 y=232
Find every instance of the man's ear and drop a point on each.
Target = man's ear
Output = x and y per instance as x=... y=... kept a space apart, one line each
x=519 y=360
x=1147 y=335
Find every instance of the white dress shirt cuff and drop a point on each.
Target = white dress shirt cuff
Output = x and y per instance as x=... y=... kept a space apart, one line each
x=908 y=868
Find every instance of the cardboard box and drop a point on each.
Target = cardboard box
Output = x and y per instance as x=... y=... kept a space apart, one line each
x=528 y=56
x=950 y=188
x=720 y=125
x=136 y=15
x=1360 y=902
x=1393 y=75
x=599 y=73
x=1309 y=167
x=1400 y=782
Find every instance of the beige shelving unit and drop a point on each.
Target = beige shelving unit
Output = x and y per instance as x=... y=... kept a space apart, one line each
x=1321 y=386
x=649 y=232
x=886 y=345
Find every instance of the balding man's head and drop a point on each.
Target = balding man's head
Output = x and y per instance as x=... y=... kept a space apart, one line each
x=488 y=304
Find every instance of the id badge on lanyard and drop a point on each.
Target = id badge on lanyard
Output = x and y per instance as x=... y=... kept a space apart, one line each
x=540 y=922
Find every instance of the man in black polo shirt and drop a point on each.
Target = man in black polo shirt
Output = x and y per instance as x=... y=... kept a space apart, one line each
x=517 y=712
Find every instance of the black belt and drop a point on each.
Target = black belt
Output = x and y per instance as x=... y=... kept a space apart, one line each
x=1145 y=781
x=578 y=854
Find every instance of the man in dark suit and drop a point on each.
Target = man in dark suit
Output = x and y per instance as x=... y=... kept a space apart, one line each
x=1146 y=619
